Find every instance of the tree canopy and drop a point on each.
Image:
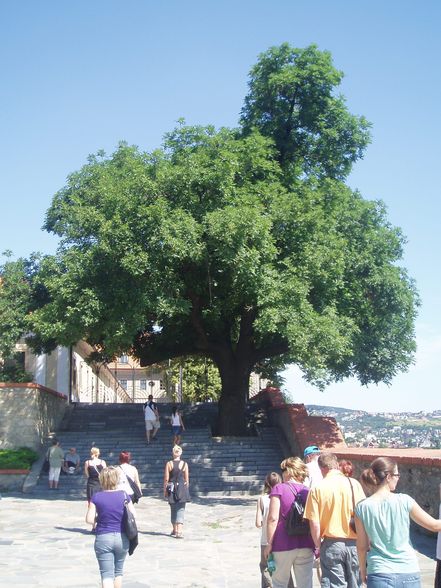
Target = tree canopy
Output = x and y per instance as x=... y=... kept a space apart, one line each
x=292 y=99
x=242 y=245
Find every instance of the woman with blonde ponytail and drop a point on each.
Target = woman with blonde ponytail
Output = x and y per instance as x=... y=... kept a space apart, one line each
x=386 y=557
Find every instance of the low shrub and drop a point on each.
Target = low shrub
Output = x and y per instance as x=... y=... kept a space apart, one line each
x=12 y=373
x=17 y=459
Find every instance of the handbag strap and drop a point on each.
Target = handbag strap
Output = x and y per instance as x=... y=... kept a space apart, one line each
x=122 y=469
x=295 y=494
x=292 y=490
x=353 y=498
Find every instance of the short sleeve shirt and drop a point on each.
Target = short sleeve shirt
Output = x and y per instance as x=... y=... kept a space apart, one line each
x=110 y=510
x=330 y=504
x=281 y=540
x=56 y=456
x=72 y=457
x=386 y=523
x=149 y=411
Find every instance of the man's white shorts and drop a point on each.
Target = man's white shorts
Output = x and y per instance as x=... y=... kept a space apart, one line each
x=150 y=425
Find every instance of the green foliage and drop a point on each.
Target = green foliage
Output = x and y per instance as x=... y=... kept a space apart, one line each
x=17 y=459
x=205 y=255
x=243 y=246
x=15 y=295
x=291 y=99
x=200 y=378
x=21 y=292
x=13 y=373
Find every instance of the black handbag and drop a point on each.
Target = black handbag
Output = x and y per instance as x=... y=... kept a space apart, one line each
x=129 y=522
x=137 y=493
x=46 y=465
x=295 y=523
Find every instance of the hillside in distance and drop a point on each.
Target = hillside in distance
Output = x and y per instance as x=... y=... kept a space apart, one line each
x=385 y=429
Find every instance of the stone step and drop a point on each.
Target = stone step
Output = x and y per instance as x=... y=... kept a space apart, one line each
x=224 y=466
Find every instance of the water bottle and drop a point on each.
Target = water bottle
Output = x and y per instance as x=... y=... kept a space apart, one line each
x=271 y=564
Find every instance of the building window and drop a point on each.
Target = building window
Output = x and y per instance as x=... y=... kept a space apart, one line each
x=123 y=359
x=123 y=384
x=143 y=384
x=161 y=385
x=20 y=359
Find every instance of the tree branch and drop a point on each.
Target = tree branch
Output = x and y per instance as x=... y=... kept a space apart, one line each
x=276 y=348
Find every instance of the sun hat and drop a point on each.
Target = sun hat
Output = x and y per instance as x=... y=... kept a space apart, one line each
x=310 y=450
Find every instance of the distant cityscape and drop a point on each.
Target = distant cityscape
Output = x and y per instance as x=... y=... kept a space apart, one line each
x=385 y=429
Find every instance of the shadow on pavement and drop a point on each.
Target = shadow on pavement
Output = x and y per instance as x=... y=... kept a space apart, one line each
x=154 y=533
x=74 y=530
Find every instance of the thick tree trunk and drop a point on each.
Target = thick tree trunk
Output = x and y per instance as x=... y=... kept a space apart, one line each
x=235 y=377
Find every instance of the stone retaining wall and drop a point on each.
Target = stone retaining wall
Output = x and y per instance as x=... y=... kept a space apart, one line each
x=12 y=479
x=28 y=413
x=420 y=471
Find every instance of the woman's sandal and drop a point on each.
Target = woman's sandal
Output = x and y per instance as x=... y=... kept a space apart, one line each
x=179 y=536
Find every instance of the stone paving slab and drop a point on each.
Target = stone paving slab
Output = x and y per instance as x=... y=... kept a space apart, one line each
x=45 y=542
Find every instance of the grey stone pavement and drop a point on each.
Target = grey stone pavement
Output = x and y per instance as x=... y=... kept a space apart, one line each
x=46 y=542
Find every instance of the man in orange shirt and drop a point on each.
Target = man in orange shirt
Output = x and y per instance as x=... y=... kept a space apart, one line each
x=329 y=508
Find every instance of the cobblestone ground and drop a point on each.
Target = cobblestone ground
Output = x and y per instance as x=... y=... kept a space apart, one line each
x=45 y=542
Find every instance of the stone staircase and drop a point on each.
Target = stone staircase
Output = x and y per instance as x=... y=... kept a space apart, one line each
x=218 y=466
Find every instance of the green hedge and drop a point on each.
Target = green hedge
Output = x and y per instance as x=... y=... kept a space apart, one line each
x=17 y=459
x=14 y=374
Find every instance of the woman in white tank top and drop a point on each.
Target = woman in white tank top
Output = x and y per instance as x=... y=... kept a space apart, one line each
x=177 y=425
x=261 y=519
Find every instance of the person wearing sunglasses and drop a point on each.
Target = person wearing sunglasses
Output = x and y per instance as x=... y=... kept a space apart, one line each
x=385 y=554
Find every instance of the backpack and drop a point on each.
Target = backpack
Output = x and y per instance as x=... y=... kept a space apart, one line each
x=295 y=524
x=178 y=491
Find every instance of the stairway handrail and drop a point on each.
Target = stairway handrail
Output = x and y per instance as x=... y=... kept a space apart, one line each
x=120 y=391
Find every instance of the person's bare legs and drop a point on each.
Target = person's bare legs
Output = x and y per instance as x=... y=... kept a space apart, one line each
x=115 y=583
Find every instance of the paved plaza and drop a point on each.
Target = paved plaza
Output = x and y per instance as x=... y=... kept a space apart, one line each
x=45 y=542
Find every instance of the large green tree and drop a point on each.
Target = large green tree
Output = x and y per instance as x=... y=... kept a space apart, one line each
x=242 y=245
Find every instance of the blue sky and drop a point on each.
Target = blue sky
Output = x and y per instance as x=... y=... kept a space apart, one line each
x=80 y=76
